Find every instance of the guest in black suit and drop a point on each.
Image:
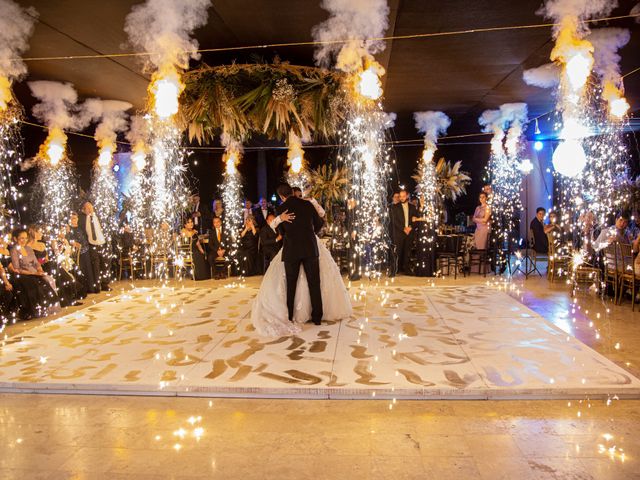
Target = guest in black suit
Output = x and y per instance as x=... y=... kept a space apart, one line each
x=98 y=249
x=199 y=213
x=270 y=242
x=261 y=212
x=402 y=233
x=218 y=245
x=78 y=240
x=300 y=247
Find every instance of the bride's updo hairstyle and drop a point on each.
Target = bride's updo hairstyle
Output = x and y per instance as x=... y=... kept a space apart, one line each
x=284 y=190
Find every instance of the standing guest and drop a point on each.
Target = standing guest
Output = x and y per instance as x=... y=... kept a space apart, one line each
x=98 y=248
x=7 y=292
x=248 y=250
x=36 y=291
x=395 y=198
x=218 y=209
x=67 y=270
x=78 y=241
x=297 y=192
x=402 y=230
x=270 y=241
x=482 y=219
x=198 y=255
x=218 y=244
x=540 y=231
x=199 y=213
x=261 y=212
x=247 y=210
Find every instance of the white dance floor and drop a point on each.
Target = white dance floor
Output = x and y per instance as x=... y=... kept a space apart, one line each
x=403 y=342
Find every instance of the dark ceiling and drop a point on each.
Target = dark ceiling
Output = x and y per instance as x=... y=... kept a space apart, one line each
x=461 y=75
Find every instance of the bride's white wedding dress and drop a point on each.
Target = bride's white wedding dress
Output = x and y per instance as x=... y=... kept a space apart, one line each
x=269 y=313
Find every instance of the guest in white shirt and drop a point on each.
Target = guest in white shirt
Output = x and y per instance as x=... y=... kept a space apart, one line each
x=98 y=249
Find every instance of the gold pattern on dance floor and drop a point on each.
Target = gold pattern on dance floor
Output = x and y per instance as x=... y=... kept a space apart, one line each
x=404 y=342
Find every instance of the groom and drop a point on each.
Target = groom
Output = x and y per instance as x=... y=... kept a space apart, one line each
x=300 y=247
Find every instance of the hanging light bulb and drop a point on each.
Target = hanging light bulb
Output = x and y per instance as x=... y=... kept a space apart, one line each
x=569 y=158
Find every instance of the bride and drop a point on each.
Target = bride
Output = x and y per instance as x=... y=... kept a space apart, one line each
x=269 y=313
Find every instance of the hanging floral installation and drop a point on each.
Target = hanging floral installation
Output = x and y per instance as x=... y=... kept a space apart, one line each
x=270 y=99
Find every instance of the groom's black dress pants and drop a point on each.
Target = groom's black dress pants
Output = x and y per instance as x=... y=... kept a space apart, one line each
x=311 y=267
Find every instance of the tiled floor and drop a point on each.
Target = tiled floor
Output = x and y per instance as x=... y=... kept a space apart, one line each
x=56 y=436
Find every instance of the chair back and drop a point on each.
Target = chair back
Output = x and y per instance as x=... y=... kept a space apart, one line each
x=626 y=258
x=612 y=263
x=531 y=240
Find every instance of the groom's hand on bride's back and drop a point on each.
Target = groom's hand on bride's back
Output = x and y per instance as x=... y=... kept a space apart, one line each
x=287 y=217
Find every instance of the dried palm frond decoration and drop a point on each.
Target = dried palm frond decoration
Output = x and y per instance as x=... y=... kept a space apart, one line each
x=328 y=186
x=452 y=182
x=270 y=99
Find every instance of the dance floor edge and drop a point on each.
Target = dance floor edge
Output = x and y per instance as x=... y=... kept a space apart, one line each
x=468 y=342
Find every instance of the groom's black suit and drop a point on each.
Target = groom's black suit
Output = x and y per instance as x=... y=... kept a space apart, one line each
x=300 y=247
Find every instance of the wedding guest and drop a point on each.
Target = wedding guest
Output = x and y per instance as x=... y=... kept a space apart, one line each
x=68 y=274
x=39 y=248
x=200 y=267
x=218 y=244
x=552 y=229
x=218 y=209
x=539 y=231
x=481 y=217
x=98 y=248
x=615 y=233
x=247 y=210
x=199 y=213
x=270 y=242
x=402 y=230
x=261 y=212
x=36 y=291
x=78 y=240
x=395 y=199
x=7 y=292
x=248 y=250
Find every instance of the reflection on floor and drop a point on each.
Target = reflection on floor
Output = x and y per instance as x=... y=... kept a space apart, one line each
x=410 y=341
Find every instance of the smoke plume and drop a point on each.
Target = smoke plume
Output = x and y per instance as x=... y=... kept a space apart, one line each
x=355 y=21
x=164 y=27
x=510 y=115
x=111 y=116
x=606 y=43
x=57 y=105
x=16 y=26
x=138 y=130
x=432 y=124
x=390 y=119
x=560 y=10
x=544 y=76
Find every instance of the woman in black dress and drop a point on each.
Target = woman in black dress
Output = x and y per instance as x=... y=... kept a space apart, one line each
x=248 y=251
x=34 y=288
x=8 y=308
x=201 y=269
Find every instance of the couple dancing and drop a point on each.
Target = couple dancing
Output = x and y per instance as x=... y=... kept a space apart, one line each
x=302 y=282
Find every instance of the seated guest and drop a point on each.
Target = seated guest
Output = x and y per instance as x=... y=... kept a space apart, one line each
x=198 y=255
x=36 y=292
x=482 y=219
x=218 y=244
x=65 y=283
x=539 y=231
x=615 y=233
x=77 y=238
x=126 y=241
x=67 y=270
x=248 y=250
x=270 y=242
x=261 y=212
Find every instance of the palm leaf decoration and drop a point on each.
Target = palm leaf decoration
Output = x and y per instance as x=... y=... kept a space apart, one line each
x=329 y=186
x=452 y=182
x=271 y=99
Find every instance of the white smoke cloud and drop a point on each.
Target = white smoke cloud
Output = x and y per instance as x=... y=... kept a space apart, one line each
x=230 y=143
x=544 y=76
x=138 y=129
x=164 y=27
x=432 y=124
x=491 y=121
x=606 y=43
x=111 y=116
x=580 y=9
x=510 y=115
x=390 y=119
x=514 y=113
x=353 y=20
x=16 y=26
x=57 y=105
